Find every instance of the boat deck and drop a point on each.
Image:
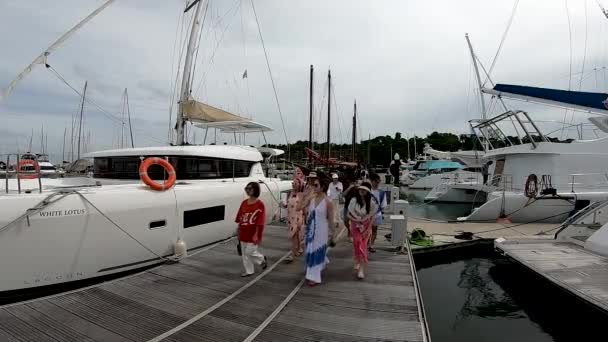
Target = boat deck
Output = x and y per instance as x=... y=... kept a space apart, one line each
x=567 y=265
x=203 y=298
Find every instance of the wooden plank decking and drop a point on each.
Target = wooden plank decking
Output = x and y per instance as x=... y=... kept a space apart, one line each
x=203 y=298
x=567 y=265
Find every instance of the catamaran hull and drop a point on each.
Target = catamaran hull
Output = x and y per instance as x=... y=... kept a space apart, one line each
x=521 y=209
x=116 y=228
x=457 y=193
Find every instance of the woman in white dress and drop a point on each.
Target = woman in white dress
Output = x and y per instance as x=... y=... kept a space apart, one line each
x=320 y=217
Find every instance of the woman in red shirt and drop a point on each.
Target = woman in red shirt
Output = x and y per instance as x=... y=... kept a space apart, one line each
x=251 y=219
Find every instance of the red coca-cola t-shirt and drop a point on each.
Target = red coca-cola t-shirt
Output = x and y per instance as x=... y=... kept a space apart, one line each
x=249 y=217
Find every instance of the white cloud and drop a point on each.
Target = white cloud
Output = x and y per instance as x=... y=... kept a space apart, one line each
x=405 y=61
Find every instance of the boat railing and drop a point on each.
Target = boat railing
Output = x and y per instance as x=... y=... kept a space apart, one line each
x=16 y=172
x=592 y=181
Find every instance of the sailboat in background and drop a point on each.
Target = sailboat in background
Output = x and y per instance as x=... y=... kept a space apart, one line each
x=111 y=222
x=534 y=179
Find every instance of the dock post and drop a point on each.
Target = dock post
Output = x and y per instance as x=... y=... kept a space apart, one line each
x=399 y=225
x=393 y=199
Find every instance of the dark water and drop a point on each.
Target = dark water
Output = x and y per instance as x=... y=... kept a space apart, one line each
x=480 y=296
x=476 y=295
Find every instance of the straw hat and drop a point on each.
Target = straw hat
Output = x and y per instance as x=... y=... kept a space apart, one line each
x=361 y=187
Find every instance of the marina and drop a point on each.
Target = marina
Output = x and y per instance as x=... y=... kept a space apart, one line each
x=277 y=171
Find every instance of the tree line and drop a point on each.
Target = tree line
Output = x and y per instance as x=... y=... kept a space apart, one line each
x=379 y=151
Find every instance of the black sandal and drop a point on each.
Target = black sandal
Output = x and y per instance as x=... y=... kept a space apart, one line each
x=264 y=263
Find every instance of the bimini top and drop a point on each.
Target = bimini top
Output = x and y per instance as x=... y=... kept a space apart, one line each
x=232 y=152
x=437 y=164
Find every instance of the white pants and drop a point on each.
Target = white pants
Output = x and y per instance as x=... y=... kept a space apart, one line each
x=337 y=211
x=250 y=256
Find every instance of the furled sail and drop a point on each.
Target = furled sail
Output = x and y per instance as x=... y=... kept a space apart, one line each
x=580 y=100
x=201 y=112
x=206 y=116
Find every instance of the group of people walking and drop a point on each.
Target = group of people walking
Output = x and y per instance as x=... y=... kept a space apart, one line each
x=315 y=220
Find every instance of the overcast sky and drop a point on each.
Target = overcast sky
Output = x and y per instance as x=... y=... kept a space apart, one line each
x=405 y=62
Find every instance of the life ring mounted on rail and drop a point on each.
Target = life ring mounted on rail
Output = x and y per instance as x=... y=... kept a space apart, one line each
x=23 y=163
x=143 y=174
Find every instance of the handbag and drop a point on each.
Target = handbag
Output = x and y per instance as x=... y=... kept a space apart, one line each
x=238 y=248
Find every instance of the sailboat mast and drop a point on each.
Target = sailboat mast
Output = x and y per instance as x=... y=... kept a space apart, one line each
x=29 y=148
x=84 y=94
x=186 y=81
x=310 y=105
x=129 y=116
x=484 y=113
x=354 y=131
x=41 y=139
x=328 y=114
x=65 y=132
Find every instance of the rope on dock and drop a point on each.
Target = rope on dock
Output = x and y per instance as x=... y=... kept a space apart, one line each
x=220 y=303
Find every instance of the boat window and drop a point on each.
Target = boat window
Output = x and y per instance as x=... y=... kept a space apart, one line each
x=200 y=216
x=185 y=167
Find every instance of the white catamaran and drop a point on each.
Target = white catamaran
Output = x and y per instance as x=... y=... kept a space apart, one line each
x=60 y=230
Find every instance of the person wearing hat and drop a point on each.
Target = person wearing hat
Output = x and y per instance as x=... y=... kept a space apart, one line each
x=361 y=211
x=335 y=193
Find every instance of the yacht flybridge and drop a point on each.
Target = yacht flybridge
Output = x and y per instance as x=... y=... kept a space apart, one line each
x=85 y=227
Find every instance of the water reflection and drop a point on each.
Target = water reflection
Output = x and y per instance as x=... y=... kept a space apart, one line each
x=479 y=296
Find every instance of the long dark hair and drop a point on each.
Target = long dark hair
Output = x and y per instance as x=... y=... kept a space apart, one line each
x=365 y=200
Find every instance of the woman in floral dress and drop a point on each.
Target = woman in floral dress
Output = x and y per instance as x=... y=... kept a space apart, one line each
x=295 y=219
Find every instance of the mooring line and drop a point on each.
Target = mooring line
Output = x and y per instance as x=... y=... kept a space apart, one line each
x=220 y=303
x=274 y=314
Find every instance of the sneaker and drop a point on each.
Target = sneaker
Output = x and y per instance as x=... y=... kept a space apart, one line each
x=371 y=249
x=360 y=274
x=264 y=263
x=289 y=258
x=245 y=274
x=311 y=283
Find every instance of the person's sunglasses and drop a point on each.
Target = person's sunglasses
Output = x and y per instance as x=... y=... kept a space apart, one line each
x=316 y=185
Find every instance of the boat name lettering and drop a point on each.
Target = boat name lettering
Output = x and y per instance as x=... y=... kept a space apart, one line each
x=45 y=278
x=63 y=212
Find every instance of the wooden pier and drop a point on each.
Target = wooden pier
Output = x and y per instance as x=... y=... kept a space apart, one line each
x=567 y=265
x=203 y=298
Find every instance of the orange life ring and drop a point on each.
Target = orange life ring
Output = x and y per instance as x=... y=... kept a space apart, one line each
x=28 y=174
x=143 y=174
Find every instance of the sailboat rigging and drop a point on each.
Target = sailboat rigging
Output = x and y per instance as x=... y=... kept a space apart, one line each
x=194 y=212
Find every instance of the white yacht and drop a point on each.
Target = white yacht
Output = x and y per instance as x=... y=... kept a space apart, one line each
x=55 y=231
x=462 y=186
x=78 y=228
x=538 y=180
x=426 y=174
